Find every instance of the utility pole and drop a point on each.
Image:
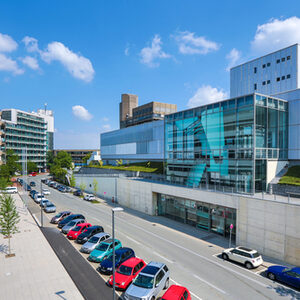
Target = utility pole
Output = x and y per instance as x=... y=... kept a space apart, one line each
x=41 y=206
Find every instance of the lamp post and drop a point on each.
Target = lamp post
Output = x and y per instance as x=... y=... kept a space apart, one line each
x=41 y=206
x=116 y=209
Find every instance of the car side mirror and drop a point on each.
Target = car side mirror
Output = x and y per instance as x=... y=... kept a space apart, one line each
x=157 y=285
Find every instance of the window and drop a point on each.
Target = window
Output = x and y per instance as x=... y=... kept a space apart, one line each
x=288 y=57
x=278 y=79
x=278 y=61
x=264 y=83
x=255 y=86
x=263 y=66
x=283 y=59
x=268 y=82
x=255 y=69
x=288 y=76
x=282 y=77
x=185 y=294
x=268 y=64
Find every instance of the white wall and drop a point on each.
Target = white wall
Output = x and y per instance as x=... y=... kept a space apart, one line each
x=273 y=168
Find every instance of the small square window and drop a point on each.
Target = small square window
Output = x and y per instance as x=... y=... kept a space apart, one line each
x=282 y=77
x=278 y=61
x=255 y=86
x=268 y=82
x=268 y=64
x=278 y=79
x=263 y=66
x=255 y=69
x=283 y=59
x=288 y=76
x=288 y=57
x=264 y=83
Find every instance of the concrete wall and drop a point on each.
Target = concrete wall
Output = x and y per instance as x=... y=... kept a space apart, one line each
x=273 y=168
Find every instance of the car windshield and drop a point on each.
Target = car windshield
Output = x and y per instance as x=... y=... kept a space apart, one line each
x=50 y=204
x=58 y=215
x=125 y=270
x=72 y=223
x=144 y=281
x=93 y=240
x=255 y=255
x=77 y=228
x=102 y=247
x=286 y=270
x=110 y=257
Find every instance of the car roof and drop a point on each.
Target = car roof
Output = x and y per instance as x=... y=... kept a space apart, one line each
x=297 y=270
x=152 y=268
x=65 y=212
x=132 y=262
x=174 y=291
x=100 y=234
x=83 y=224
x=109 y=241
x=123 y=249
x=246 y=249
x=95 y=226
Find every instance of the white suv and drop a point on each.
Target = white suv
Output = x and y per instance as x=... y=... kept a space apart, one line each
x=248 y=257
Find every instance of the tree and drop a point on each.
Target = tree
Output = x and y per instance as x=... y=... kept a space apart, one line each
x=72 y=181
x=119 y=162
x=86 y=158
x=82 y=186
x=31 y=167
x=50 y=158
x=11 y=162
x=9 y=218
x=5 y=174
x=101 y=163
x=95 y=186
x=63 y=159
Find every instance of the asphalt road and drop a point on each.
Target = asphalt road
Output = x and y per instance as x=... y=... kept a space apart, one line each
x=192 y=262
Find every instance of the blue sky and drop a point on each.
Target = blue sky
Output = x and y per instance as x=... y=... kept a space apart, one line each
x=80 y=56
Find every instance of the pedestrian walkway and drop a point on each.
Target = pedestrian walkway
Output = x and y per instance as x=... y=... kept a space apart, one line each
x=34 y=272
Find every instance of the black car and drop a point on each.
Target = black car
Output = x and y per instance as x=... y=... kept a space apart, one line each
x=28 y=188
x=84 y=236
x=32 y=193
x=32 y=183
x=78 y=193
x=66 y=220
x=59 y=217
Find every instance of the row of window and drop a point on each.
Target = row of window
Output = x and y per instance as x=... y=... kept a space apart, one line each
x=269 y=81
x=269 y=64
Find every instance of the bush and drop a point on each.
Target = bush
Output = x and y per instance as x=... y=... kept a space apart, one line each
x=292 y=176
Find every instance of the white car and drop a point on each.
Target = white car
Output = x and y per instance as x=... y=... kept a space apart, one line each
x=89 y=197
x=10 y=190
x=38 y=198
x=248 y=257
x=45 y=191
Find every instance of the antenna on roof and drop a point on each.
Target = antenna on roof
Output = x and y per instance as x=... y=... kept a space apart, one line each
x=45 y=107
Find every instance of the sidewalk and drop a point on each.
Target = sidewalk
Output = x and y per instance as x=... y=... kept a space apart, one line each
x=35 y=272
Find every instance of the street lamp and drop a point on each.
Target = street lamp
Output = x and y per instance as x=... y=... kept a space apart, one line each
x=116 y=209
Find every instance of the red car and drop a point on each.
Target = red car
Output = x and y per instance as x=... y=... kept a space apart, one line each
x=127 y=271
x=80 y=228
x=176 y=292
x=33 y=174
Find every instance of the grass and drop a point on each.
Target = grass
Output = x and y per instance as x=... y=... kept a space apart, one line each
x=292 y=176
x=148 y=167
x=95 y=201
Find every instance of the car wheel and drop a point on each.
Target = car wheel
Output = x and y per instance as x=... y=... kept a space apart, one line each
x=271 y=276
x=225 y=256
x=153 y=298
x=166 y=284
x=248 y=265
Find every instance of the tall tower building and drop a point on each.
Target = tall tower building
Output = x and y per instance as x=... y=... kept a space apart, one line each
x=128 y=103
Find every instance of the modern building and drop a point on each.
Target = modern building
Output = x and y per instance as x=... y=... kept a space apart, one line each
x=2 y=141
x=26 y=135
x=143 y=142
x=131 y=114
x=234 y=145
x=76 y=154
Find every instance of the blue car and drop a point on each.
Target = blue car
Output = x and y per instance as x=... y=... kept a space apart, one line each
x=290 y=276
x=122 y=255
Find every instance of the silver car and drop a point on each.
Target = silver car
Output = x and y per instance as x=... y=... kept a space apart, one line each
x=72 y=224
x=50 y=207
x=149 y=283
x=44 y=202
x=93 y=242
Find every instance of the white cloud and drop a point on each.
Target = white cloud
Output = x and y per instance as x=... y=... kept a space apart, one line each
x=126 y=51
x=79 y=66
x=233 y=58
x=81 y=113
x=105 y=119
x=7 y=44
x=189 y=43
x=9 y=65
x=31 y=62
x=31 y=44
x=106 y=127
x=150 y=54
x=206 y=94
x=276 y=34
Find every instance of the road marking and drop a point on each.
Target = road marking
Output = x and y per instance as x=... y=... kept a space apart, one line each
x=129 y=238
x=163 y=257
x=189 y=290
x=211 y=285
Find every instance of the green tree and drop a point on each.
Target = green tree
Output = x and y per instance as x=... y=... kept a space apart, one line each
x=86 y=158
x=119 y=162
x=82 y=186
x=95 y=186
x=31 y=167
x=5 y=174
x=11 y=162
x=50 y=158
x=63 y=159
x=9 y=218
x=72 y=181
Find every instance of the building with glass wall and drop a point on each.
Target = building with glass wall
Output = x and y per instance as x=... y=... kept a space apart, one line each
x=233 y=145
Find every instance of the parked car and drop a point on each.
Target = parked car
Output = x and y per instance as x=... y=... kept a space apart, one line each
x=69 y=218
x=38 y=197
x=10 y=190
x=103 y=250
x=45 y=191
x=289 y=276
x=72 y=224
x=248 y=257
x=44 y=202
x=126 y=272
x=44 y=180
x=49 y=207
x=68 y=189
x=94 y=241
x=78 y=193
x=149 y=283
x=59 y=217
x=32 y=183
x=33 y=174
x=73 y=234
x=32 y=193
x=89 y=232
x=89 y=197
x=51 y=183
x=28 y=187
x=177 y=292
x=121 y=255
x=63 y=189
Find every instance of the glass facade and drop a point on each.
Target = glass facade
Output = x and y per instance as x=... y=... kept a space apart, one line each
x=210 y=217
x=216 y=146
